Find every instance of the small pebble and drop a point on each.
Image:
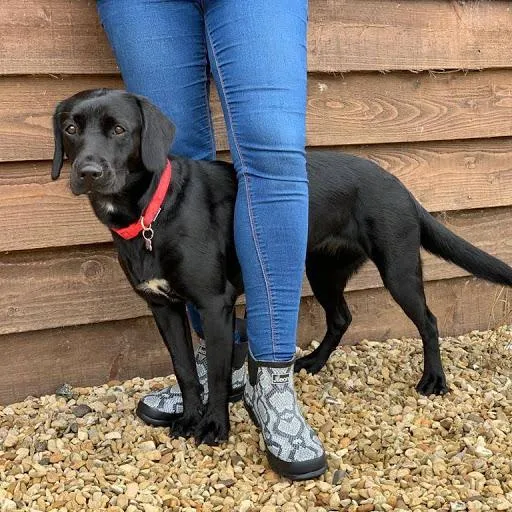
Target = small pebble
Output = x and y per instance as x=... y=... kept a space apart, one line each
x=113 y=435
x=245 y=506
x=10 y=441
x=338 y=476
x=65 y=391
x=81 y=410
x=146 y=446
x=131 y=490
x=482 y=451
x=504 y=505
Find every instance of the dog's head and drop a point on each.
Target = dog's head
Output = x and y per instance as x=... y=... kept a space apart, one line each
x=110 y=138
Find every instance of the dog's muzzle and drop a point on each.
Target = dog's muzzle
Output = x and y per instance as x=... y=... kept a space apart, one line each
x=88 y=177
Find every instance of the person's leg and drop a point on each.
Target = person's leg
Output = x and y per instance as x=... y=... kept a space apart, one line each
x=161 y=50
x=258 y=57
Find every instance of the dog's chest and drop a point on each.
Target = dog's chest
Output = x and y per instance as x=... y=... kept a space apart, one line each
x=148 y=277
x=157 y=287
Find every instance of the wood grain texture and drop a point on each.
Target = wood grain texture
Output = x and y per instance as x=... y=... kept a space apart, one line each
x=368 y=108
x=87 y=355
x=51 y=289
x=41 y=213
x=26 y=107
x=64 y=36
x=452 y=175
x=358 y=108
x=47 y=289
x=443 y=176
x=94 y=354
x=460 y=306
x=427 y=34
x=53 y=36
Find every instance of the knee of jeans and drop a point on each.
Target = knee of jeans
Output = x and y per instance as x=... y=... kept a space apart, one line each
x=271 y=150
x=272 y=161
x=284 y=164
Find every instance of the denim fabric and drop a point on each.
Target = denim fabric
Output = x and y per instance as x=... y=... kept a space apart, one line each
x=256 y=52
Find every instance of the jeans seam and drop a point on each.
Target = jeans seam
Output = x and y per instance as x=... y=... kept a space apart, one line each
x=213 y=147
x=248 y=197
x=263 y=263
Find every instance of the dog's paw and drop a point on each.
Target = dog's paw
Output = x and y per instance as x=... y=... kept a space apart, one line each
x=432 y=384
x=213 y=429
x=310 y=363
x=186 y=425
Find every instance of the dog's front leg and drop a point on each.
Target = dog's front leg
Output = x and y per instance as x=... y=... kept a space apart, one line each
x=217 y=319
x=172 y=322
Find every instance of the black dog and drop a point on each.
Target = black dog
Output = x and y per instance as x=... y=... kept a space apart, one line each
x=118 y=145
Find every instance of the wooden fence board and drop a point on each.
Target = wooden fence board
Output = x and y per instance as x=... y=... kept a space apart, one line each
x=64 y=36
x=44 y=213
x=359 y=108
x=47 y=289
x=70 y=287
x=452 y=175
x=460 y=305
x=94 y=354
x=87 y=355
x=368 y=108
x=390 y=35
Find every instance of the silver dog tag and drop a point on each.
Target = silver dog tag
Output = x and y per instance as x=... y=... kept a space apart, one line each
x=147 y=234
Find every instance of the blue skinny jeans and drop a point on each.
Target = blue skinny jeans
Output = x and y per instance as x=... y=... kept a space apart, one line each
x=256 y=51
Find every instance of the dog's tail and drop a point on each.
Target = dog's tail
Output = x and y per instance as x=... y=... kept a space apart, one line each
x=440 y=241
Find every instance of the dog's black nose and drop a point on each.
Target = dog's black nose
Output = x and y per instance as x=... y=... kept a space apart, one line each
x=90 y=172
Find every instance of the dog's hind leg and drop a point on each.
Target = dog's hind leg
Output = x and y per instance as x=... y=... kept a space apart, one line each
x=433 y=380
x=402 y=276
x=327 y=281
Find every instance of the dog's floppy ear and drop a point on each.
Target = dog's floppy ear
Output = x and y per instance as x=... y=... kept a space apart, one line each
x=58 y=152
x=156 y=136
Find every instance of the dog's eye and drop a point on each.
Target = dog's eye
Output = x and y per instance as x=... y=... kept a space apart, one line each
x=118 y=129
x=71 y=129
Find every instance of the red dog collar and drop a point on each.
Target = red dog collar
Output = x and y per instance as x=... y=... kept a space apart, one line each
x=150 y=213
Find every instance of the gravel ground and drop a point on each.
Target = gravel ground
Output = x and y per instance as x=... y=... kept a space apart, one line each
x=388 y=448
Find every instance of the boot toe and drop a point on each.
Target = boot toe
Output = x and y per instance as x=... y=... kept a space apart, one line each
x=298 y=470
x=154 y=416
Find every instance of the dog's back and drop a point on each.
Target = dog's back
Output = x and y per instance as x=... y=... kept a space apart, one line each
x=355 y=201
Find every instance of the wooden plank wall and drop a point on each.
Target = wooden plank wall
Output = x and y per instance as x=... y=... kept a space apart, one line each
x=424 y=88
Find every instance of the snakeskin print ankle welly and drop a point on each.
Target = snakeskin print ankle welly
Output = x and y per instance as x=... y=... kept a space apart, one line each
x=293 y=448
x=161 y=407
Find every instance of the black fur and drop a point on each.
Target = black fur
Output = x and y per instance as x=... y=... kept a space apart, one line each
x=358 y=212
